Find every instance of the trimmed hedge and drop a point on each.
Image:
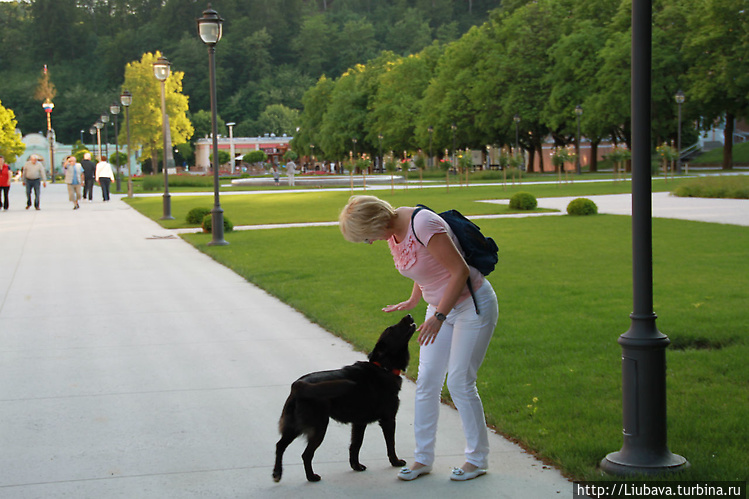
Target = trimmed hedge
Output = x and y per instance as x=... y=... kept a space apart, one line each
x=523 y=201
x=196 y=215
x=582 y=206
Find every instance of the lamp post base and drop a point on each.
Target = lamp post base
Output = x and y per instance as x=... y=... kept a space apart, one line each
x=217 y=227
x=621 y=464
x=167 y=208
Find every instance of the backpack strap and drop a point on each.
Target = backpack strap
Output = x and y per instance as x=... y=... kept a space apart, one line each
x=418 y=208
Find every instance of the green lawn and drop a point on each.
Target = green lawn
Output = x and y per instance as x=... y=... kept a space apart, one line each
x=715 y=157
x=552 y=376
x=324 y=205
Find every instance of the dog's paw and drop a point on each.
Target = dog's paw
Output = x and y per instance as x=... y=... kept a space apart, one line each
x=358 y=467
x=276 y=476
x=313 y=477
x=398 y=463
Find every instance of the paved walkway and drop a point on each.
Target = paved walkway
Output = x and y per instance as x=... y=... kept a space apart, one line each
x=134 y=366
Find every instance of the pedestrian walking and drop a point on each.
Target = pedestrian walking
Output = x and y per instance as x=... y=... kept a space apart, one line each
x=33 y=176
x=5 y=176
x=104 y=176
x=74 y=180
x=89 y=176
x=290 y=171
x=276 y=175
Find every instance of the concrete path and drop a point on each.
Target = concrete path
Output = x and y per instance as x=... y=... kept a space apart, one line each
x=134 y=366
x=664 y=205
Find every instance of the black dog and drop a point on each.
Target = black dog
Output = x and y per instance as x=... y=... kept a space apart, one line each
x=359 y=394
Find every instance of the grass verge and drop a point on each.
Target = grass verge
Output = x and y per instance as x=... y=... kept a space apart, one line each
x=552 y=375
x=324 y=205
x=721 y=186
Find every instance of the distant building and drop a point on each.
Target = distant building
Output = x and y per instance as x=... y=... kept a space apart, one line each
x=274 y=147
x=38 y=144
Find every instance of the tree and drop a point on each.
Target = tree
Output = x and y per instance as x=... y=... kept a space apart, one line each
x=311 y=44
x=145 y=111
x=278 y=119
x=397 y=103
x=11 y=146
x=202 y=123
x=572 y=76
x=315 y=103
x=719 y=67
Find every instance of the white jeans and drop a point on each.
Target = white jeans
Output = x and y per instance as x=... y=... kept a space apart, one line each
x=457 y=353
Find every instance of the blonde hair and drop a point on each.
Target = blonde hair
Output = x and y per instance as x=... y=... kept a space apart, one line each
x=365 y=218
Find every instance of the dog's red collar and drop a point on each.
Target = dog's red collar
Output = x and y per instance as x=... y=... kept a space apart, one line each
x=397 y=372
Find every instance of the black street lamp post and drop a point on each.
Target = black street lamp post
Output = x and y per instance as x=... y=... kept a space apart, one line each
x=161 y=72
x=104 y=120
x=431 y=157
x=210 y=29
x=92 y=131
x=679 y=101
x=453 y=127
x=114 y=108
x=645 y=450
x=98 y=124
x=579 y=113
x=516 y=119
x=382 y=163
x=126 y=99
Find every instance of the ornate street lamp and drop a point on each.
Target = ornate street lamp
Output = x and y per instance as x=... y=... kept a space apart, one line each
x=454 y=127
x=114 y=108
x=679 y=97
x=379 y=139
x=126 y=99
x=104 y=118
x=430 y=129
x=645 y=450
x=48 y=106
x=516 y=119
x=98 y=126
x=579 y=113
x=231 y=144
x=161 y=72
x=210 y=29
x=92 y=131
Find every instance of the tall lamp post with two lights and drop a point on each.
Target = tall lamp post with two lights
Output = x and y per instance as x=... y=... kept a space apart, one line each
x=161 y=72
x=126 y=99
x=210 y=29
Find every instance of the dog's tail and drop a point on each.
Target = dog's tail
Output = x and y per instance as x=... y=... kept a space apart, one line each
x=322 y=390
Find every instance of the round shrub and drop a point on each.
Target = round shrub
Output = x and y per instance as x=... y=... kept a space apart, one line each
x=582 y=206
x=523 y=201
x=196 y=215
x=208 y=223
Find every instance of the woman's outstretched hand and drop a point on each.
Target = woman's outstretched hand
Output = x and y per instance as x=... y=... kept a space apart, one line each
x=404 y=305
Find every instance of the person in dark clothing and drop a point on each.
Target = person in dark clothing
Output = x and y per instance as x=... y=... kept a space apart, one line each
x=89 y=171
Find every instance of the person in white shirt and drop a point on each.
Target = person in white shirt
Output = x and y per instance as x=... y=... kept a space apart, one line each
x=104 y=177
x=290 y=171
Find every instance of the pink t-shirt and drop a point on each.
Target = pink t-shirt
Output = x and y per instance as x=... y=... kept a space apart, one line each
x=413 y=260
